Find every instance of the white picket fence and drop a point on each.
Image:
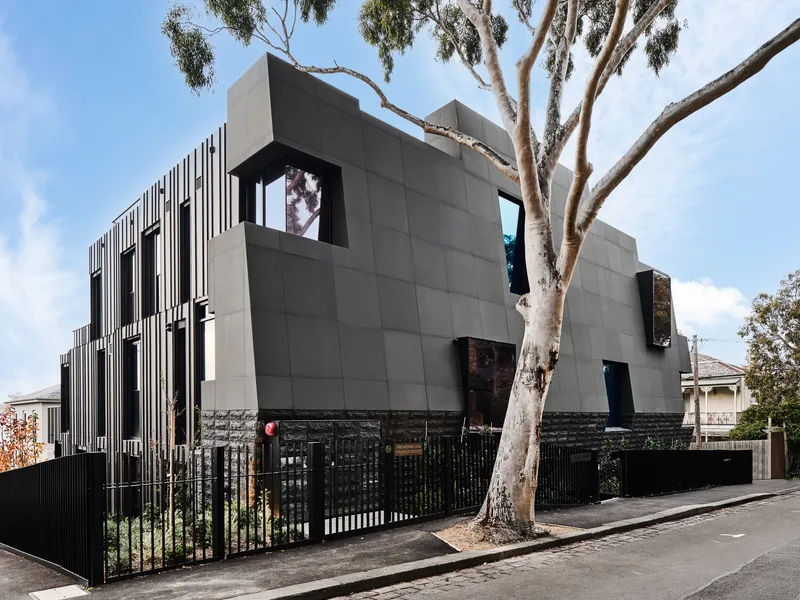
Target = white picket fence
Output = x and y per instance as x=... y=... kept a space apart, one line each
x=760 y=448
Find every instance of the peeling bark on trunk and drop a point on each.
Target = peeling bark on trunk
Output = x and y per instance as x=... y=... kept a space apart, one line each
x=508 y=512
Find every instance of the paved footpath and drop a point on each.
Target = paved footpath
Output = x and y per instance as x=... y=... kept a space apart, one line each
x=743 y=553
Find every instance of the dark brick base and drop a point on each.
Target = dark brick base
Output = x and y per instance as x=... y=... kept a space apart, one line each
x=239 y=428
x=589 y=429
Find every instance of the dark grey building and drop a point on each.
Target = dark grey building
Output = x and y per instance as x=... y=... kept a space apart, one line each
x=310 y=262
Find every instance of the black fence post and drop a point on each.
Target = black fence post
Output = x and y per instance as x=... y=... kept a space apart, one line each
x=596 y=471
x=218 y=503
x=316 y=491
x=448 y=475
x=388 y=480
x=97 y=515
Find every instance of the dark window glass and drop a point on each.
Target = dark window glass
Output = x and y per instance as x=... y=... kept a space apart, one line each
x=662 y=310
x=128 y=291
x=618 y=392
x=512 y=218
x=184 y=256
x=490 y=368
x=179 y=364
x=100 y=393
x=65 y=399
x=132 y=389
x=96 y=302
x=151 y=274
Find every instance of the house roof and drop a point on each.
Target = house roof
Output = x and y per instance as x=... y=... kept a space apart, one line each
x=710 y=367
x=48 y=394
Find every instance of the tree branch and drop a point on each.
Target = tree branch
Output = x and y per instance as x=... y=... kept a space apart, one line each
x=557 y=79
x=677 y=112
x=582 y=167
x=556 y=146
x=482 y=21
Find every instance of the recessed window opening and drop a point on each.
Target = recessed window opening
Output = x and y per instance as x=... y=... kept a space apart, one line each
x=128 y=292
x=151 y=273
x=132 y=383
x=96 y=309
x=618 y=391
x=291 y=199
x=512 y=219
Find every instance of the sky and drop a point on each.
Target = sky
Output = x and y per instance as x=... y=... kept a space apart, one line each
x=93 y=112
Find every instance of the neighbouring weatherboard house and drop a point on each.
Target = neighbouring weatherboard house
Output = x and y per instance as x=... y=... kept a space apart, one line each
x=723 y=396
x=46 y=405
x=309 y=263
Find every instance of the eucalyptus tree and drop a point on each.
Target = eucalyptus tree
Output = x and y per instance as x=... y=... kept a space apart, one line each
x=474 y=33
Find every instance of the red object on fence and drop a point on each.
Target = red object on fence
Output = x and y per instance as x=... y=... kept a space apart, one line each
x=270 y=429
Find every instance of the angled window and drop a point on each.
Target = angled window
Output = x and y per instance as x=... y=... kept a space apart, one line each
x=512 y=218
x=128 y=286
x=151 y=273
x=132 y=404
x=297 y=194
x=100 y=394
x=96 y=310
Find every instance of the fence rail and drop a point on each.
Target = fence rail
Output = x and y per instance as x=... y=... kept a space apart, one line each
x=53 y=512
x=207 y=504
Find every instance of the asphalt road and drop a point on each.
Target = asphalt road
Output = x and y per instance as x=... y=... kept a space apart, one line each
x=750 y=552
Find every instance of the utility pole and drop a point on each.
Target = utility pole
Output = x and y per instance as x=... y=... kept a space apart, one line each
x=697 y=431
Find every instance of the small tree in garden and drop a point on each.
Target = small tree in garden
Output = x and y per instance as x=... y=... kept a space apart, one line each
x=473 y=33
x=19 y=445
x=773 y=354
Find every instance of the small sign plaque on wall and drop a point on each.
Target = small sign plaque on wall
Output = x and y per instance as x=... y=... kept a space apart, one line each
x=408 y=449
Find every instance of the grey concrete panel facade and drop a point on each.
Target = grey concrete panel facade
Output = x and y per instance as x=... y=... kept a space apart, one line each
x=368 y=323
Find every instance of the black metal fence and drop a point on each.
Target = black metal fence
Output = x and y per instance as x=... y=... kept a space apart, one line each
x=650 y=472
x=210 y=503
x=53 y=511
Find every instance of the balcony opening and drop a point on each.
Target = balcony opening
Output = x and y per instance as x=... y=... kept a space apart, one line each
x=100 y=394
x=184 y=256
x=151 y=273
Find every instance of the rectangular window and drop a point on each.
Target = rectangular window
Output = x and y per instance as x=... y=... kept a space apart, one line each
x=618 y=391
x=128 y=286
x=96 y=303
x=132 y=389
x=184 y=256
x=180 y=388
x=100 y=394
x=512 y=218
x=488 y=370
x=65 y=424
x=151 y=274
x=290 y=199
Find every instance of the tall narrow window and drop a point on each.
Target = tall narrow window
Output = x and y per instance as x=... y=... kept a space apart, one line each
x=618 y=391
x=151 y=274
x=128 y=291
x=179 y=363
x=132 y=390
x=96 y=301
x=65 y=399
x=100 y=394
x=512 y=218
x=184 y=256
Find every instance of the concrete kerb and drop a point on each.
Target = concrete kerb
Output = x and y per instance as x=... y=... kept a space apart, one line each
x=363 y=581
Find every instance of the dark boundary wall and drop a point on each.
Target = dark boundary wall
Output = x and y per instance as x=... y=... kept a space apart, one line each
x=651 y=472
x=236 y=427
x=52 y=512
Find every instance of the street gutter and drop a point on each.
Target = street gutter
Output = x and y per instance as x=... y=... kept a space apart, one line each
x=363 y=581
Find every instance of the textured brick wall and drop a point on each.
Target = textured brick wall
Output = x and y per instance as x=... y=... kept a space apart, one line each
x=589 y=429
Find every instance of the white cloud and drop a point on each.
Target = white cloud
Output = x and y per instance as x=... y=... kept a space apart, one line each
x=700 y=305
x=38 y=299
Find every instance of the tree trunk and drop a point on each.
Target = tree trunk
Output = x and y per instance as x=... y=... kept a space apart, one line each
x=508 y=513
